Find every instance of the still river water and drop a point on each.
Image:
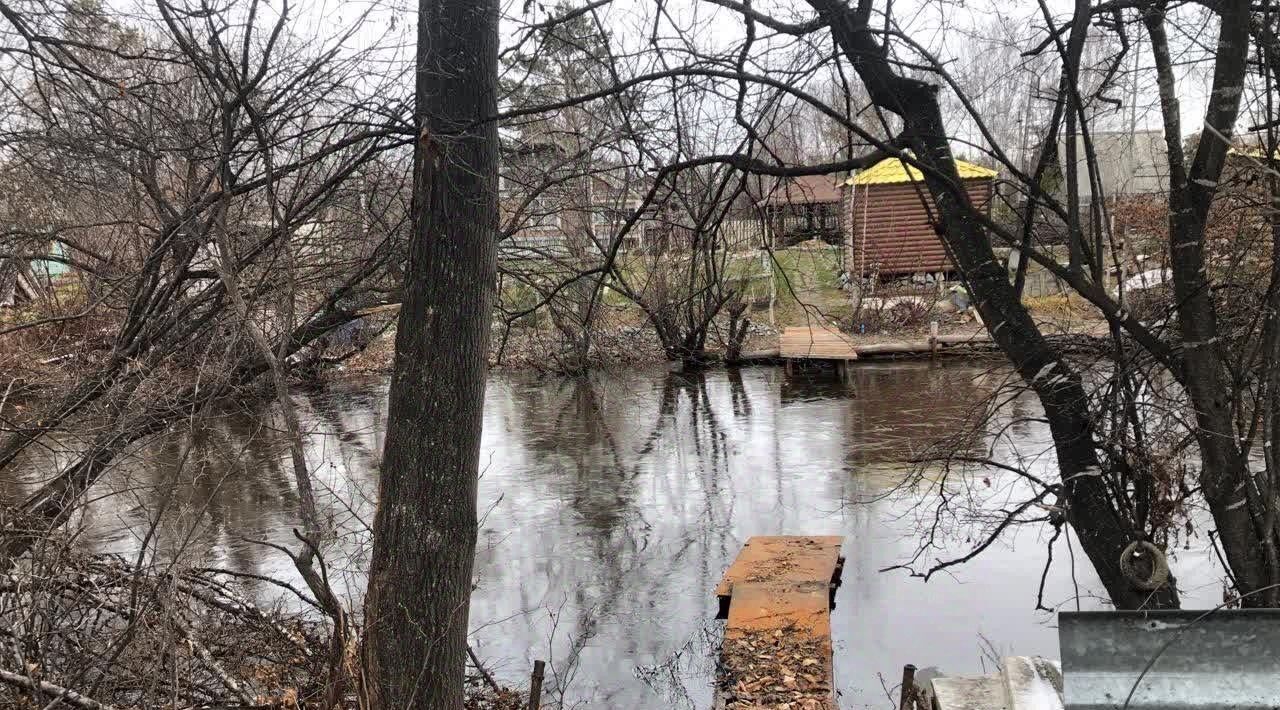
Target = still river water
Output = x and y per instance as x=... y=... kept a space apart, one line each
x=611 y=506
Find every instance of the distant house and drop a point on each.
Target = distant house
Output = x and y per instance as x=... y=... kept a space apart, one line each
x=804 y=208
x=1129 y=163
x=1243 y=210
x=24 y=278
x=1248 y=164
x=559 y=203
x=891 y=229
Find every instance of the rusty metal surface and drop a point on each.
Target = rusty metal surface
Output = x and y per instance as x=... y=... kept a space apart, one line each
x=1170 y=659
x=892 y=232
x=802 y=608
x=783 y=558
x=777 y=595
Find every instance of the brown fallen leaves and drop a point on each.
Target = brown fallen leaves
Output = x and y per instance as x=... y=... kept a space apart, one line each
x=481 y=697
x=778 y=670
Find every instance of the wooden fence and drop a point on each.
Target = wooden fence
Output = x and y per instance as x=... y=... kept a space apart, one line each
x=735 y=235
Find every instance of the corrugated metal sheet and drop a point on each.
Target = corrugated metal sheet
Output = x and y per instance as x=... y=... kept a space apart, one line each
x=1170 y=659
x=892 y=171
x=891 y=228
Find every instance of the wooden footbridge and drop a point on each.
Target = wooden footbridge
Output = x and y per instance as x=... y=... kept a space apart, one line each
x=798 y=345
x=777 y=598
x=815 y=343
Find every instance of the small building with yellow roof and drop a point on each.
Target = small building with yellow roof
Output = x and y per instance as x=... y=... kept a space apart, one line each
x=891 y=218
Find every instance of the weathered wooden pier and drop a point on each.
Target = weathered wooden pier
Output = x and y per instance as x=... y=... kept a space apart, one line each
x=802 y=346
x=798 y=346
x=777 y=598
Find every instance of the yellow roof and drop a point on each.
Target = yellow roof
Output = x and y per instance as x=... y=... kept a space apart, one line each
x=893 y=170
x=1252 y=152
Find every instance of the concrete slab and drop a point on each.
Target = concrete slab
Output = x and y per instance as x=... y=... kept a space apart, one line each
x=1032 y=683
x=1023 y=683
x=970 y=693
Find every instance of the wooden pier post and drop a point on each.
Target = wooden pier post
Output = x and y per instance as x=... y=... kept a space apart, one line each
x=907 y=694
x=535 y=685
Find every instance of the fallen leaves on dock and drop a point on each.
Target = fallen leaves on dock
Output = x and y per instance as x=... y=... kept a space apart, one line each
x=780 y=561
x=776 y=670
x=481 y=697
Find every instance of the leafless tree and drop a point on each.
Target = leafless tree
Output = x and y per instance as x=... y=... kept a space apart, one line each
x=195 y=165
x=424 y=533
x=188 y=139
x=1110 y=481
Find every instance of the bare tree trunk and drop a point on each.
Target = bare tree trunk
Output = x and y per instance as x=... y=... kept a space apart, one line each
x=1224 y=470
x=424 y=532
x=1103 y=532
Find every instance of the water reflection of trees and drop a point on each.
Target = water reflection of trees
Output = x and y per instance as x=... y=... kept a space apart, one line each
x=568 y=426
x=642 y=466
x=221 y=484
x=666 y=476
x=207 y=493
x=983 y=480
x=617 y=499
x=894 y=411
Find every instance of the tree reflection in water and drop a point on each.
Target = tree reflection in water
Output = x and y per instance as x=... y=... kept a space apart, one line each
x=611 y=504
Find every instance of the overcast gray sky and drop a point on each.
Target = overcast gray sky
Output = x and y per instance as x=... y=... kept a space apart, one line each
x=946 y=28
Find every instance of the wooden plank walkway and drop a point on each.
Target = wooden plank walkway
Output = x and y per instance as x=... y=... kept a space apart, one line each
x=826 y=343
x=816 y=343
x=777 y=597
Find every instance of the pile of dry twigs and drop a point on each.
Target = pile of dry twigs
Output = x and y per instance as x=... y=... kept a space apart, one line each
x=95 y=632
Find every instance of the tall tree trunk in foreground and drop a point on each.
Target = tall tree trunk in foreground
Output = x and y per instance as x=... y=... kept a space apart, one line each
x=1238 y=507
x=425 y=529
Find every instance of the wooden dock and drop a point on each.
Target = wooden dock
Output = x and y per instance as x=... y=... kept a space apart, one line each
x=825 y=344
x=777 y=598
x=816 y=343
